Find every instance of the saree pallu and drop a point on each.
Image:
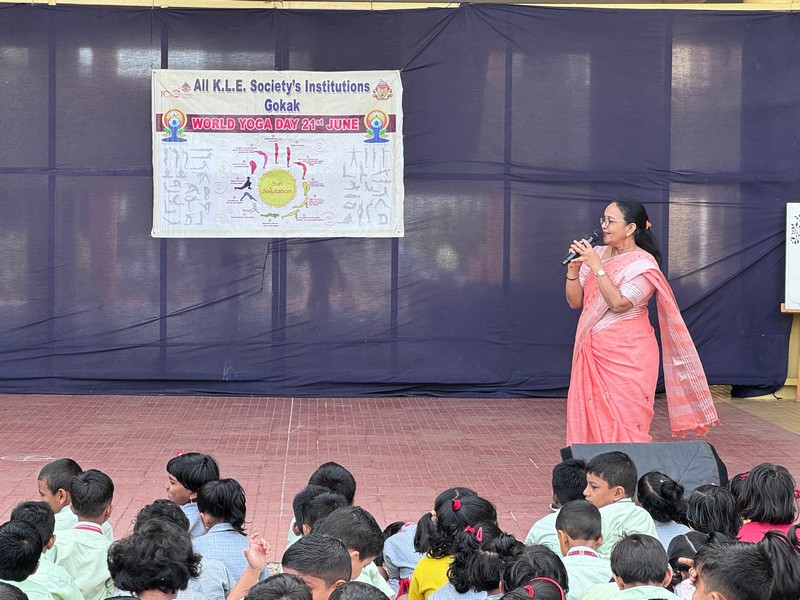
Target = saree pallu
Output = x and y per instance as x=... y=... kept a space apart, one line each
x=615 y=367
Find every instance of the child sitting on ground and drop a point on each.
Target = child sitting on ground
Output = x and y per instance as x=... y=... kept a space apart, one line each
x=356 y=590
x=280 y=586
x=82 y=550
x=321 y=561
x=399 y=556
x=186 y=474
x=54 y=482
x=20 y=552
x=568 y=482
x=49 y=575
x=437 y=536
x=579 y=529
x=767 y=501
x=711 y=508
x=223 y=508
x=532 y=563
x=662 y=497
x=334 y=478
x=362 y=535
x=539 y=588
x=610 y=486
x=214 y=581
x=640 y=570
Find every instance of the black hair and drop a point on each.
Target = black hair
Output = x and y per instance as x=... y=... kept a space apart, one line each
x=11 y=592
x=58 y=474
x=20 y=550
x=193 y=469
x=163 y=509
x=454 y=511
x=320 y=556
x=467 y=543
x=357 y=590
x=356 y=528
x=661 y=496
x=281 y=586
x=639 y=558
x=301 y=499
x=735 y=483
x=615 y=468
x=634 y=212
x=480 y=569
x=739 y=571
x=713 y=508
x=540 y=588
x=388 y=532
x=534 y=561
x=580 y=520
x=686 y=545
x=569 y=480
x=224 y=500
x=38 y=514
x=92 y=491
x=160 y=558
x=784 y=553
x=319 y=507
x=767 y=495
x=336 y=478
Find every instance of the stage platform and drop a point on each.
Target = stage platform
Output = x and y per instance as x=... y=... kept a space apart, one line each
x=402 y=451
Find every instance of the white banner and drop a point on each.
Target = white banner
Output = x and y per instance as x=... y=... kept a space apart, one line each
x=277 y=154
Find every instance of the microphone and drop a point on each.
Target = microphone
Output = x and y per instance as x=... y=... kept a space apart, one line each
x=592 y=238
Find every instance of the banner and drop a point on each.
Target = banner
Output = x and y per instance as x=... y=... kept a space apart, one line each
x=277 y=154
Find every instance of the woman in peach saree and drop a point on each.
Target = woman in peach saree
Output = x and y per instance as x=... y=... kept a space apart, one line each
x=615 y=358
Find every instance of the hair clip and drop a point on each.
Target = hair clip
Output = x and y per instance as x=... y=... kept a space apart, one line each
x=456 y=504
x=479 y=533
x=529 y=589
x=797 y=494
x=647 y=225
x=469 y=529
x=554 y=582
x=433 y=513
x=744 y=476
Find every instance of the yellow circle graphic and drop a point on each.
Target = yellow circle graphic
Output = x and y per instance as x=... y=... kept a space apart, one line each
x=277 y=187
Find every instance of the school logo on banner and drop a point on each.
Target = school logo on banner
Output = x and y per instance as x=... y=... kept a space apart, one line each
x=277 y=154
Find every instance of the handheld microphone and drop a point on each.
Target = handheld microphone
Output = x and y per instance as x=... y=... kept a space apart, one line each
x=592 y=238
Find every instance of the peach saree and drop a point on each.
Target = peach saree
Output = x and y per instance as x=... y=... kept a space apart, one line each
x=615 y=361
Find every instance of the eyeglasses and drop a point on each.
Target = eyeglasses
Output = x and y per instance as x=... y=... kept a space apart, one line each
x=604 y=221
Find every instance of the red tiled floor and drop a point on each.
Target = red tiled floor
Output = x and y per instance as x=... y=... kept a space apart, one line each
x=402 y=451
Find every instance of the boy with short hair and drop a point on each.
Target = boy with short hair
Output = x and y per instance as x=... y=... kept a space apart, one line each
x=579 y=529
x=20 y=552
x=737 y=571
x=54 y=578
x=640 y=570
x=568 y=482
x=323 y=562
x=82 y=550
x=610 y=485
x=54 y=482
x=362 y=535
x=334 y=478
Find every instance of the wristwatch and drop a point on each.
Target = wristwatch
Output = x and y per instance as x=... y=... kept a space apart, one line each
x=600 y=273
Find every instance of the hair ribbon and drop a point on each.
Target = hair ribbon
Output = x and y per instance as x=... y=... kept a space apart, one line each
x=554 y=582
x=469 y=529
x=456 y=504
x=529 y=589
x=479 y=533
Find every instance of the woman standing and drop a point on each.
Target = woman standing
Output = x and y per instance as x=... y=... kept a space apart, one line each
x=615 y=359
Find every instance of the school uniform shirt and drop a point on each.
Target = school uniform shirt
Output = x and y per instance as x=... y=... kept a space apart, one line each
x=292 y=537
x=33 y=590
x=399 y=556
x=56 y=580
x=544 y=532
x=429 y=576
x=585 y=568
x=623 y=518
x=222 y=542
x=214 y=582
x=448 y=592
x=196 y=527
x=669 y=530
x=66 y=519
x=371 y=575
x=83 y=552
x=611 y=591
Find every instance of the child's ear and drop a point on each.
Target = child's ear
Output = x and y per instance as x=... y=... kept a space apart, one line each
x=51 y=543
x=667 y=578
x=296 y=529
x=339 y=583
x=62 y=497
x=618 y=493
x=599 y=541
x=306 y=529
x=109 y=510
x=618 y=580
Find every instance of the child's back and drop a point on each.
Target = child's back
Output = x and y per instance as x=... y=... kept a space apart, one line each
x=579 y=528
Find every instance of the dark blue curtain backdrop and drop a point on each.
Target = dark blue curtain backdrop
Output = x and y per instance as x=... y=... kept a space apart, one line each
x=520 y=124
